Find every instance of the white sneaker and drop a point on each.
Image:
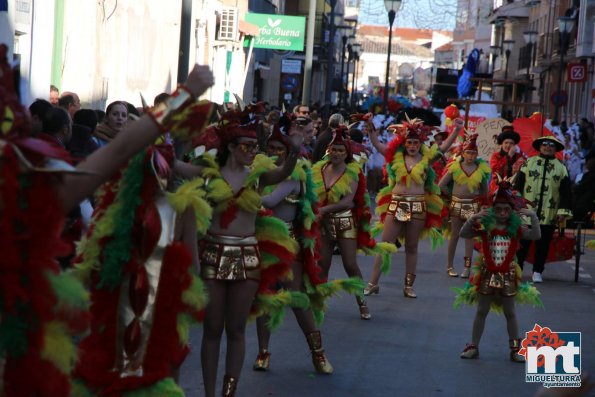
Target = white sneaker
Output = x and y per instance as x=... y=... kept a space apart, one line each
x=537 y=277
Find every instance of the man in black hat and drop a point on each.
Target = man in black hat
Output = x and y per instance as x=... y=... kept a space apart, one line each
x=543 y=180
x=508 y=160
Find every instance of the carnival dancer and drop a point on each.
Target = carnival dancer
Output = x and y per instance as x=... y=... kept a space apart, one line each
x=138 y=259
x=294 y=202
x=230 y=262
x=495 y=283
x=410 y=206
x=41 y=307
x=344 y=211
x=465 y=184
x=507 y=160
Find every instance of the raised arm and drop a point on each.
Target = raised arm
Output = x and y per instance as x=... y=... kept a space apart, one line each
x=467 y=231
x=451 y=138
x=279 y=174
x=534 y=233
x=186 y=170
x=103 y=163
x=373 y=134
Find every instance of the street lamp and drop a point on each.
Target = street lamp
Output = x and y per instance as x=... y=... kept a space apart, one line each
x=392 y=6
x=356 y=48
x=330 y=56
x=530 y=37
x=507 y=46
x=565 y=25
x=495 y=50
x=344 y=41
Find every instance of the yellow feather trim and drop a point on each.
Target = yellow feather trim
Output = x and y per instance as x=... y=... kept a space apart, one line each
x=249 y=201
x=340 y=189
x=473 y=181
x=418 y=172
x=191 y=194
x=220 y=193
x=57 y=346
x=89 y=246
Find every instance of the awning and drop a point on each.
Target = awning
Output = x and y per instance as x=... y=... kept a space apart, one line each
x=249 y=29
x=510 y=10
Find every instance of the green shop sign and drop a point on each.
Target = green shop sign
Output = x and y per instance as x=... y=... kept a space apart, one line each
x=278 y=32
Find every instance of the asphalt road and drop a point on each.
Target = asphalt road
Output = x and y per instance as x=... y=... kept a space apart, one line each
x=411 y=347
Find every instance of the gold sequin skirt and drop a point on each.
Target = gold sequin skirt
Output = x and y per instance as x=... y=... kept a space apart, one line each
x=229 y=258
x=339 y=225
x=463 y=208
x=405 y=208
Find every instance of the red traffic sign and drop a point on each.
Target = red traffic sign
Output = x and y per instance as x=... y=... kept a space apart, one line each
x=577 y=72
x=559 y=98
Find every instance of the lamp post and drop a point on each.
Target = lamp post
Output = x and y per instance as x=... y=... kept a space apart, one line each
x=349 y=59
x=344 y=41
x=507 y=46
x=392 y=6
x=530 y=37
x=495 y=51
x=330 y=56
x=356 y=48
x=565 y=24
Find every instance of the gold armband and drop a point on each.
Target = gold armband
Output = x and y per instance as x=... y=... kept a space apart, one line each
x=162 y=114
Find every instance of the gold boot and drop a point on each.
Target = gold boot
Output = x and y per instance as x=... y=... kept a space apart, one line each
x=321 y=363
x=229 y=386
x=450 y=271
x=515 y=346
x=372 y=289
x=364 y=312
x=262 y=360
x=408 y=289
x=467 y=269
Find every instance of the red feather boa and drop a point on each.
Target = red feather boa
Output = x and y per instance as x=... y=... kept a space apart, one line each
x=164 y=349
x=362 y=214
x=310 y=256
x=30 y=227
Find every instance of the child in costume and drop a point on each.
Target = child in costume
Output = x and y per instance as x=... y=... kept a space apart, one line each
x=410 y=205
x=496 y=282
x=344 y=210
x=231 y=264
x=465 y=183
x=41 y=307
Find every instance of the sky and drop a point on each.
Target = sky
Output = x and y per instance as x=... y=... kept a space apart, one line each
x=423 y=14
